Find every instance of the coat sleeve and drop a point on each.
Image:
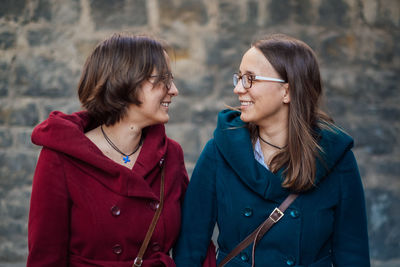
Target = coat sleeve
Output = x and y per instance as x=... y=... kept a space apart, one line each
x=199 y=213
x=350 y=239
x=48 y=226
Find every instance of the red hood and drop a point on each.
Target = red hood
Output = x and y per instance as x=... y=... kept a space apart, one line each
x=65 y=133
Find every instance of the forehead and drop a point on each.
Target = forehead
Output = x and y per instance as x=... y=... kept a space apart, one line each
x=254 y=61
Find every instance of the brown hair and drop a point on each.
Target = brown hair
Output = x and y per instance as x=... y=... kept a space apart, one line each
x=296 y=63
x=114 y=72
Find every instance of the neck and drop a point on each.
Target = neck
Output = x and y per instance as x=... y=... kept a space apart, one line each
x=125 y=136
x=276 y=135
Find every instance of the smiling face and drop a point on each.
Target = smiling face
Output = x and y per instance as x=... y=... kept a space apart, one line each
x=155 y=98
x=265 y=102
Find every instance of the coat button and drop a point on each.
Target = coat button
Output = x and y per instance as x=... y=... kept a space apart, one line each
x=155 y=247
x=115 y=211
x=154 y=205
x=247 y=212
x=244 y=256
x=117 y=249
x=290 y=261
x=294 y=214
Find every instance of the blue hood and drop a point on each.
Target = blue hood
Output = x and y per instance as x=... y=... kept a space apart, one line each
x=233 y=141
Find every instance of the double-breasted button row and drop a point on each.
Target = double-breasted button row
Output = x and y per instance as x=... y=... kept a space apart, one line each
x=244 y=256
x=290 y=261
x=154 y=205
x=247 y=212
x=117 y=249
x=294 y=214
x=115 y=211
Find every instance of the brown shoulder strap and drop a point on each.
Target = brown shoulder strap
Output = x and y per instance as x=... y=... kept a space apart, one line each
x=139 y=258
x=257 y=234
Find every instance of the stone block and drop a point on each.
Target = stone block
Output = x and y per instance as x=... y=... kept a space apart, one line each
x=374 y=137
x=334 y=13
x=118 y=14
x=23 y=140
x=180 y=111
x=44 y=77
x=383 y=221
x=4 y=78
x=25 y=114
x=16 y=170
x=338 y=49
x=197 y=87
x=66 y=106
x=40 y=36
x=7 y=40
x=12 y=9
x=189 y=11
x=279 y=12
x=42 y=11
x=188 y=137
x=303 y=13
x=5 y=138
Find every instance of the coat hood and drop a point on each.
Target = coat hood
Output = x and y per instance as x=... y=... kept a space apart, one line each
x=233 y=141
x=66 y=134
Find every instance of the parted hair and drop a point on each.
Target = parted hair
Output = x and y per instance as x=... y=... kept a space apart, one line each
x=297 y=64
x=114 y=71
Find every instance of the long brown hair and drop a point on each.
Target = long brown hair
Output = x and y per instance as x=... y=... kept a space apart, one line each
x=296 y=63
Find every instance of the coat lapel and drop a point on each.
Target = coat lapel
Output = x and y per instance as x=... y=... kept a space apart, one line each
x=234 y=143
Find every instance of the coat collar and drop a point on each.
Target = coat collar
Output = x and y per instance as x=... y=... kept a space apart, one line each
x=233 y=142
x=66 y=134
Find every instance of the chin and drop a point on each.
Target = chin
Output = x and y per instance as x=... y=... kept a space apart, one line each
x=245 y=118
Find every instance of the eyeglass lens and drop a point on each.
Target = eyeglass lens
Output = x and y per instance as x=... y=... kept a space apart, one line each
x=246 y=80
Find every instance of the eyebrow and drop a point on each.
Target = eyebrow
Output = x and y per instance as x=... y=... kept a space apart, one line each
x=247 y=72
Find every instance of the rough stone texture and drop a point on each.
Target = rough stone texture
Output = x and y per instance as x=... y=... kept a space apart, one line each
x=44 y=43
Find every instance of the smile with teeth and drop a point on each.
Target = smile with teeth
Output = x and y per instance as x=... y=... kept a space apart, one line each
x=165 y=104
x=246 y=103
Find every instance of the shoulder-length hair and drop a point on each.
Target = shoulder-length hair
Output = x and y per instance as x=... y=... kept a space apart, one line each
x=296 y=63
x=114 y=72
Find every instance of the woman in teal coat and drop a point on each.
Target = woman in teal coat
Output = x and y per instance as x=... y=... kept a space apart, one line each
x=280 y=142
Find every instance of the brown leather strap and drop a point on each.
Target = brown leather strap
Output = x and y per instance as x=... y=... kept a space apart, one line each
x=257 y=234
x=139 y=258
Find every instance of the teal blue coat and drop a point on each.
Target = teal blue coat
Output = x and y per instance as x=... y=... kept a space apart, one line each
x=324 y=226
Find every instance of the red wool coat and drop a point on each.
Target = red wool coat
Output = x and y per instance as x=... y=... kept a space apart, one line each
x=87 y=210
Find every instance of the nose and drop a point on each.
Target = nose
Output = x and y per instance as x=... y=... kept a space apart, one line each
x=173 y=91
x=239 y=89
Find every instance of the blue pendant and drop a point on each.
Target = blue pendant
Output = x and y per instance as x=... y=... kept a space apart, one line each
x=126 y=159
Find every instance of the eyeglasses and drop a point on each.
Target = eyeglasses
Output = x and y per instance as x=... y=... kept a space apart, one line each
x=248 y=79
x=167 y=79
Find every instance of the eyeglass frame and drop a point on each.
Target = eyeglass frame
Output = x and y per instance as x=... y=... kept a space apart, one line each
x=167 y=76
x=254 y=78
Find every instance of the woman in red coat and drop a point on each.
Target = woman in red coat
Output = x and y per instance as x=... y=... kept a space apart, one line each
x=98 y=178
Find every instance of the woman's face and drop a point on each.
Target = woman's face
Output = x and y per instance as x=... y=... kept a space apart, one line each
x=155 y=98
x=265 y=102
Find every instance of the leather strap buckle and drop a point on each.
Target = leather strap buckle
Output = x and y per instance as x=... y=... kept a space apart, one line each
x=276 y=215
x=138 y=262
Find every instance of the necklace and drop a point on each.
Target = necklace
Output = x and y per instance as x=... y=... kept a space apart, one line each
x=125 y=157
x=268 y=143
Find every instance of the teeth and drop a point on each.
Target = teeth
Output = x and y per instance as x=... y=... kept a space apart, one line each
x=246 y=103
x=165 y=104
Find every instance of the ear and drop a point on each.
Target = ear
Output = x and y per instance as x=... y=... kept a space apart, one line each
x=286 y=93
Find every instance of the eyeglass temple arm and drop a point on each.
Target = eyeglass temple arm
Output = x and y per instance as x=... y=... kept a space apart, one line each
x=269 y=79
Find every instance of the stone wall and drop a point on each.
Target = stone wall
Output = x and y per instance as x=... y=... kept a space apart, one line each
x=43 y=45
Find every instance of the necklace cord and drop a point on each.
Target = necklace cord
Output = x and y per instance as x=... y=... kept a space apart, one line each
x=116 y=148
x=268 y=143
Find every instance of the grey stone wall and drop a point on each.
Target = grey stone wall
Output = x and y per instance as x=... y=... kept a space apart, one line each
x=43 y=45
